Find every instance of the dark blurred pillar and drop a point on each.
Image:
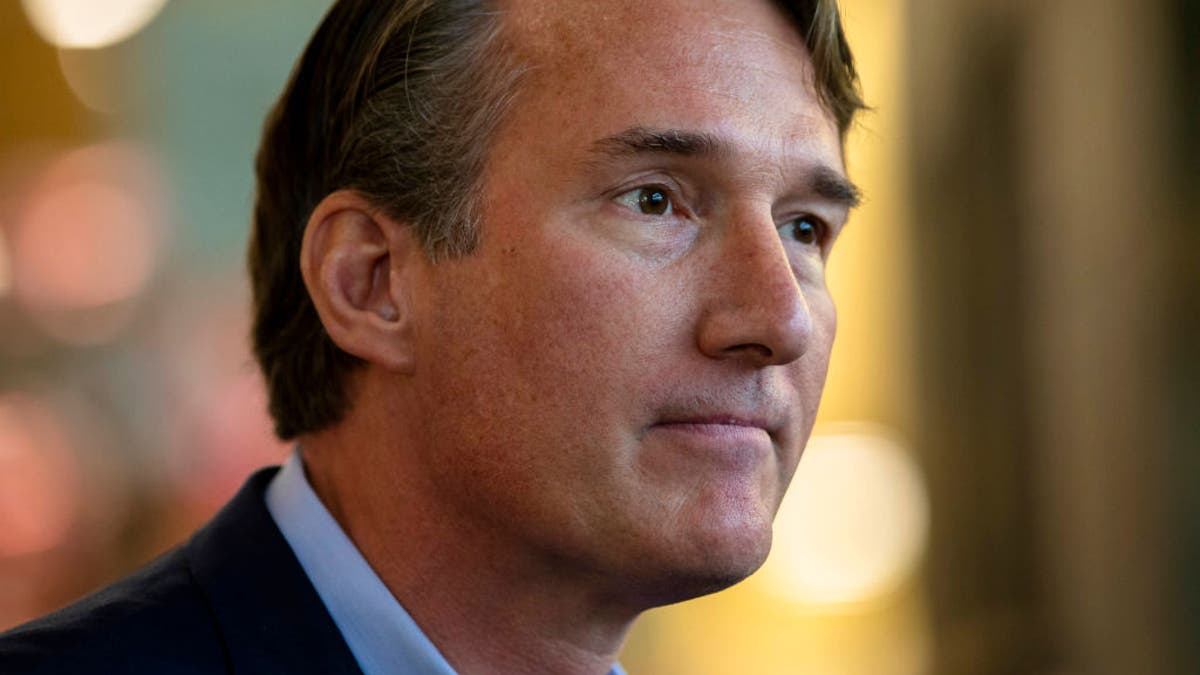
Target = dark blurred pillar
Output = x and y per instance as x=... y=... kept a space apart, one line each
x=1096 y=108
x=971 y=237
x=1044 y=230
x=1184 y=349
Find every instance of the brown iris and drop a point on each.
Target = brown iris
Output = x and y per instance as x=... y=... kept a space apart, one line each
x=653 y=201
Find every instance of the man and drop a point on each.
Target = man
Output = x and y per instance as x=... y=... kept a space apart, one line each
x=539 y=292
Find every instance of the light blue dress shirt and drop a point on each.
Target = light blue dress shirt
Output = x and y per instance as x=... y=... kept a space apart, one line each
x=380 y=633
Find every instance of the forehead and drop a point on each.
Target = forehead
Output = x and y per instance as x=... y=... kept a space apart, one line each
x=735 y=68
x=585 y=38
x=589 y=22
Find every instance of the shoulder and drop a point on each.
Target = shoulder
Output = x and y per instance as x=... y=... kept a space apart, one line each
x=154 y=621
x=232 y=599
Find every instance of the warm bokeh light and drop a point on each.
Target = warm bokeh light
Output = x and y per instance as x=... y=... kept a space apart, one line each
x=223 y=432
x=5 y=264
x=855 y=521
x=38 y=478
x=235 y=438
x=89 y=23
x=83 y=244
x=86 y=238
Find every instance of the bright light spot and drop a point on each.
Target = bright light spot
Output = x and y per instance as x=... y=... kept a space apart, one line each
x=89 y=23
x=5 y=266
x=235 y=437
x=855 y=521
x=38 y=478
x=85 y=239
x=86 y=242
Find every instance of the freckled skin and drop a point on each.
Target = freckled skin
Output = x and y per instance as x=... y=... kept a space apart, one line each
x=534 y=482
x=554 y=346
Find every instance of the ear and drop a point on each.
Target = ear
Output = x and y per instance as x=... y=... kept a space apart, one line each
x=356 y=262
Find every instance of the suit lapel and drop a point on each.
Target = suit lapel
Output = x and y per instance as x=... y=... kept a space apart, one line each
x=269 y=615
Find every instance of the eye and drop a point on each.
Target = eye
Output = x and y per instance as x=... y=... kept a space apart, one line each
x=650 y=200
x=807 y=230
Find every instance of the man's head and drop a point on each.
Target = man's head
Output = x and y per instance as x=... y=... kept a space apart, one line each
x=399 y=99
x=565 y=261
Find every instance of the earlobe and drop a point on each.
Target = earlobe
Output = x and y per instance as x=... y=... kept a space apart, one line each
x=353 y=260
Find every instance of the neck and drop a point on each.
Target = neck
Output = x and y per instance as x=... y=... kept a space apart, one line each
x=486 y=604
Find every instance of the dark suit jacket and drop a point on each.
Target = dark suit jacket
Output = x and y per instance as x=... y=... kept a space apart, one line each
x=232 y=599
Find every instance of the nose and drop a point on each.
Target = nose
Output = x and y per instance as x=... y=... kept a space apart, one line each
x=756 y=311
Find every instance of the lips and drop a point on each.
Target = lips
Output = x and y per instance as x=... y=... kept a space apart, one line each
x=730 y=428
x=738 y=444
x=732 y=412
x=723 y=420
x=718 y=422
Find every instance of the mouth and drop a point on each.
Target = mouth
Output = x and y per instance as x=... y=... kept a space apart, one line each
x=717 y=424
x=739 y=439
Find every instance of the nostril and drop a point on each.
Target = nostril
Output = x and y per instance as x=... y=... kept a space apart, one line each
x=752 y=348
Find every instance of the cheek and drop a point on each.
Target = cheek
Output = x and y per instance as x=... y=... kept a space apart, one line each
x=591 y=311
x=534 y=376
x=816 y=359
x=555 y=341
x=808 y=373
x=824 y=321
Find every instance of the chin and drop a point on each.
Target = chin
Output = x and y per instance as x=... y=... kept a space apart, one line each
x=705 y=565
x=686 y=584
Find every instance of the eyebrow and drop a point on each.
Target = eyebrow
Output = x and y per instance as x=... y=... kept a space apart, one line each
x=833 y=186
x=640 y=140
x=824 y=181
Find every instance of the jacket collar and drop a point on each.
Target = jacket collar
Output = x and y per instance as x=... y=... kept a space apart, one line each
x=269 y=616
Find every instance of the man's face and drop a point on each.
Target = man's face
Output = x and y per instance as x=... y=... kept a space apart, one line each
x=620 y=380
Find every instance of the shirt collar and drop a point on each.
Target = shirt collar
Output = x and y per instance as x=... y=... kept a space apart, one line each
x=380 y=633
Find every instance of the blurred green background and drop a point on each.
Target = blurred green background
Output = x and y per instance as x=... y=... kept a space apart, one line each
x=1004 y=475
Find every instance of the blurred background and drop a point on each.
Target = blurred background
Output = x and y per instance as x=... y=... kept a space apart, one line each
x=1005 y=474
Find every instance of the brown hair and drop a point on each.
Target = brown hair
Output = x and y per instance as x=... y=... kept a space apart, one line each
x=398 y=100
x=835 y=75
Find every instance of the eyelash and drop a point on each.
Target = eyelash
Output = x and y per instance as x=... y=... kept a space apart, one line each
x=636 y=198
